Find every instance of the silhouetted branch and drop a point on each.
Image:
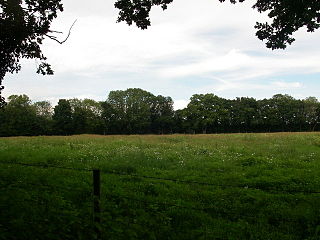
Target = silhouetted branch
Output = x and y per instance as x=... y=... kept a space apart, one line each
x=55 y=38
x=53 y=31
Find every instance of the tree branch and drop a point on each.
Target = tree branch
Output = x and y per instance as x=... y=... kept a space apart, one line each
x=55 y=38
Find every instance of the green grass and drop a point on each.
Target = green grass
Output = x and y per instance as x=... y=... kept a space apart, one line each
x=270 y=174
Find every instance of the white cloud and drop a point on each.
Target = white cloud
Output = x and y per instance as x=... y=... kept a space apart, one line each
x=231 y=61
x=287 y=85
x=193 y=39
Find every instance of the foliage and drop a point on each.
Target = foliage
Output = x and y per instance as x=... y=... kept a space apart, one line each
x=162 y=114
x=24 y=25
x=132 y=109
x=135 y=111
x=86 y=116
x=267 y=171
x=19 y=117
x=287 y=16
x=62 y=118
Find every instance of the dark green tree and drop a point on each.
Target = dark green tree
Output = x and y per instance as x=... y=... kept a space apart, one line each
x=284 y=110
x=86 y=116
x=44 y=109
x=312 y=112
x=62 y=117
x=44 y=113
x=109 y=118
x=180 y=121
x=244 y=114
x=19 y=117
x=207 y=113
x=132 y=109
x=162 y=114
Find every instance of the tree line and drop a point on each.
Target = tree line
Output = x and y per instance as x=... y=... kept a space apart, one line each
x=25 y=24
x=136 y=111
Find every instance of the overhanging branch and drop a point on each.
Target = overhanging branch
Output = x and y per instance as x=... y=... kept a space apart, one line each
x=55 y=38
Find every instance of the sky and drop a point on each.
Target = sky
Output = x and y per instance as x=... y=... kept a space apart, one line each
x=194 y=47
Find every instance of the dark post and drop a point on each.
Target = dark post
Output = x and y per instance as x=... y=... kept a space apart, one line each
x=96 y=202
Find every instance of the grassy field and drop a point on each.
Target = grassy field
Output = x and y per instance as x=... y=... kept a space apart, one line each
x=259 y=186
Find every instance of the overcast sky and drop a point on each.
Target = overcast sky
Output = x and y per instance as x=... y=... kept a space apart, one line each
x=196 y=46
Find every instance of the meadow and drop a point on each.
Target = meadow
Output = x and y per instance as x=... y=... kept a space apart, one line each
x=223 y=186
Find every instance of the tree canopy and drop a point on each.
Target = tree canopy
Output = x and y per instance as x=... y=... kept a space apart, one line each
x=24 y=24
x=136 y=111
x=287 y=16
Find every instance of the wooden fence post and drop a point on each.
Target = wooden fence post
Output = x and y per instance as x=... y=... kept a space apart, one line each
x=96 y=202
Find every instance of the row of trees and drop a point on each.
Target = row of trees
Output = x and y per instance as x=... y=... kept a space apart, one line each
x=210 y=113
x=135 y=111
x=25 y=24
